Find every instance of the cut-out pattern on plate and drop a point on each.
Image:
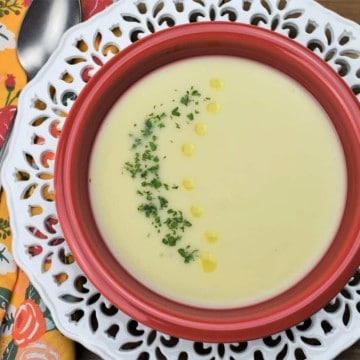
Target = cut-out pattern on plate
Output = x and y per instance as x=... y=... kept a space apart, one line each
x=79 y=310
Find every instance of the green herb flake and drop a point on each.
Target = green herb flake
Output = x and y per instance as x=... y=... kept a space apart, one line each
x=148 y=209
x=185 y=100
x=156 y=183
x=175 y=111
x=153 y=146
x=170 y=240
x=163 y=202
x=188 y=254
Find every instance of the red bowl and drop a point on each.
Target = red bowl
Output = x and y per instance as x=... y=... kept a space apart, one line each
x=77 y=220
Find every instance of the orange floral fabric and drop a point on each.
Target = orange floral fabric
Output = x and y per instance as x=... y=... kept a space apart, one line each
x=29 y=323
x=12 y=78
x=22 y=313
x=27 y=330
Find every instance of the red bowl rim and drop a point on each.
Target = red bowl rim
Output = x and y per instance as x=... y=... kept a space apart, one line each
x=220 y=325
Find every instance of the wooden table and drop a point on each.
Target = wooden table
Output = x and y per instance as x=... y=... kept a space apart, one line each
x=349 y=9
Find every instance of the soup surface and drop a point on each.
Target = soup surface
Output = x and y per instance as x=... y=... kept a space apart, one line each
x=217 y=181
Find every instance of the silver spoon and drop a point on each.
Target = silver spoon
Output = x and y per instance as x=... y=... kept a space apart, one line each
x=40 y=32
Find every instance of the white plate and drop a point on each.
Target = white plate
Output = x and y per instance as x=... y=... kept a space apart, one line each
x=79 y=311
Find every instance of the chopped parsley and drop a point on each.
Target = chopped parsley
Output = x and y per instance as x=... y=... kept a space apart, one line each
x=188 y=254
x=169 y=222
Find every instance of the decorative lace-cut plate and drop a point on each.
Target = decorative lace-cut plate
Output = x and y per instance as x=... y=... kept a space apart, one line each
x=79 y=310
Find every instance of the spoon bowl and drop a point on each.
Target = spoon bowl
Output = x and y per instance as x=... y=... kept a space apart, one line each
x=41 y=30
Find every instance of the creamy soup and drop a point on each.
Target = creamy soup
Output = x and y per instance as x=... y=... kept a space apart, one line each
x=217 y=181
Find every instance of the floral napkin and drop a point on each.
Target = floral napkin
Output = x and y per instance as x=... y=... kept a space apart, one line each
x=27 y=330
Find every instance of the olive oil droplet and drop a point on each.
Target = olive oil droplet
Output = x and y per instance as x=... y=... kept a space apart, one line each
x=200 y=129
x=188 y=149
x=211 y=237
x=196 y=211
x=188 y=184
x=208 y=262
x=213 y=107
x=216 y=84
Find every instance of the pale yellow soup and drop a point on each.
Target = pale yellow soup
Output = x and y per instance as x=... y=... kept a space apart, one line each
x=249 y=166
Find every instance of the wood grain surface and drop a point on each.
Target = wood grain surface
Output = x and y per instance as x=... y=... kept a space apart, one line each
x=349 y=9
